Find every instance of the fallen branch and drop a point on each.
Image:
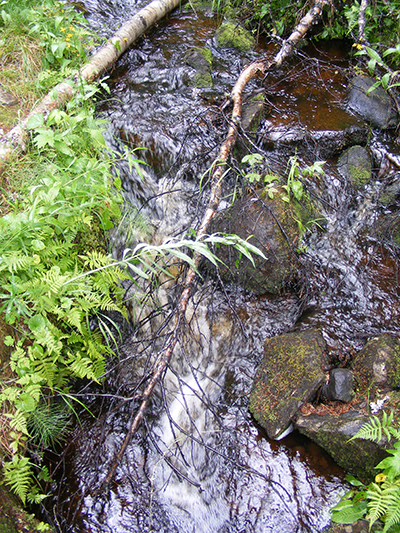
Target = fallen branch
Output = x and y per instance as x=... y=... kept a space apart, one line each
x=101 y=62
x=260 y=67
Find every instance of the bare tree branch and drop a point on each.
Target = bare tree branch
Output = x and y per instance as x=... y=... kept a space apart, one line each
x=257 y=68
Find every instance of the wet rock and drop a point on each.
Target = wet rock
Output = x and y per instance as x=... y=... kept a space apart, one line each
x=321 y=144
x=361 y=526
x=340 y=386
x=200 y=59
x=269 y=224
x=387 y=230
x=252 y=113
x=6 y=98
x=289 y=375
x=355 y=165
x=377 y=365
x=232 y=35
x=332 y=432
x=375 y=107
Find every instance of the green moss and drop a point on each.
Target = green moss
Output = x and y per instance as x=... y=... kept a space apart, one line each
x=230 y=35
x=202 y=79
x=359 y=175
x=288 y=374
x=201 y=60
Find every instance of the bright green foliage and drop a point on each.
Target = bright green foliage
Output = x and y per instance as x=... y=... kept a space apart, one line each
x=46 y=294
x=60 y=30
x=380 y=500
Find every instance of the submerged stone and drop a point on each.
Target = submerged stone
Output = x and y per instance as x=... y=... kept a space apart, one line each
x=321 y=144
x=374 y=106
x=355 y=165
x=252 y=113
x=289 y=375
x=231 y=35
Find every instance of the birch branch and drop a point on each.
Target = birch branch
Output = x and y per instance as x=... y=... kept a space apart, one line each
x=259 y=67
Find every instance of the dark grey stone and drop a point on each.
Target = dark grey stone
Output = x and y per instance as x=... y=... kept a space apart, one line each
x=340 y=386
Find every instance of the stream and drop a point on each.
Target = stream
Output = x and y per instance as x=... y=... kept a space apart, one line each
x=199 y=463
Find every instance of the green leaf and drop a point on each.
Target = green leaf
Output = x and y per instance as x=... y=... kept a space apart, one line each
x=8 y=340
x=297 y=189
x=385 y=80
x=373 y=54
x=348 y=512
x=371 y=66
x=25 y=403
x=45 y=137
x=35 y=122
x=391 y=465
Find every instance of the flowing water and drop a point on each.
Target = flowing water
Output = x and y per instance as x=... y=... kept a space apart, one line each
x=199 y=463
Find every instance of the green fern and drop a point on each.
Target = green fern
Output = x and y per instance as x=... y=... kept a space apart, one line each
x=17 y=474
x=373 y=429
x=382 y=497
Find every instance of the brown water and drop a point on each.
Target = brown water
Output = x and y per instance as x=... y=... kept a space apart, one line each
x=199 y=463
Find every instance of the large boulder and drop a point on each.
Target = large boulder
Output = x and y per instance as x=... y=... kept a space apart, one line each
x=377 y=366
x=290 y=373
x=270 y=225
x=375 y=107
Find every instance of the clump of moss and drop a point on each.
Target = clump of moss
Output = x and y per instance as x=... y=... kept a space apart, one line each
x=231 y=35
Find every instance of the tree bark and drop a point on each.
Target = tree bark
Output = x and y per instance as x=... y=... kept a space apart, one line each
x=101 y=62
x=260 y=67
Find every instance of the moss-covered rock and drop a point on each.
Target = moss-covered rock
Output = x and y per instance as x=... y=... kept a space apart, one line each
x=359 y=457
x=355 y=165
x=13 y=518
x=377 y=365
x=200 y=59
x=289 y=375
x=272 y=226
x=231 y=35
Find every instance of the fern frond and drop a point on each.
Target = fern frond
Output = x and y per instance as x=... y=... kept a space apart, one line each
x=378 y=502
x=81 y=367
x=15 y=261
x=17 y=475
x=372 y=430
x=393 y=513
x=18 y=421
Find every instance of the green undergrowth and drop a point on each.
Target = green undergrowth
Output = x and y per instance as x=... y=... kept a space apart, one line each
x=378 y=502
x=41 y=43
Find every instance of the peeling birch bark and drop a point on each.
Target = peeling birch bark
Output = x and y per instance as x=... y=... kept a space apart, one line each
x=361 y=20
x=101 y=62
x=259 y=67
